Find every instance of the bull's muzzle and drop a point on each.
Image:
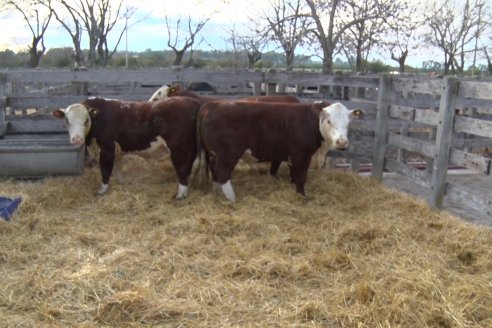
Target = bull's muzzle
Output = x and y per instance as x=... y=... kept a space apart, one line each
x=77 y=140
x=341 y=144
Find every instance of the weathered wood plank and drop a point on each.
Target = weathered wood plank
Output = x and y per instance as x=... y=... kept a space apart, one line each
x=475 y=142
x=475 y=89
x=307 y=78
x=381 y=128
x=426 y=116
x=415 y=100
x=402 y=112
x=36 y=125
x=423 y=116
x=469 y=198
x=471 y=161
x=149 y=76
x=62 y=101
x=421 y=177
x=418 y=85
x=422 y=147
x=443 y=141
x=473 y=126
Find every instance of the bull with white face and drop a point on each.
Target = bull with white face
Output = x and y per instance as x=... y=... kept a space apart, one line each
x=160 y=94
x=287 y=132
x=120 y=127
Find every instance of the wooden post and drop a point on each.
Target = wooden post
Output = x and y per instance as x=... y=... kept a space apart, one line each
x=337 y=92
x=257 y=88
x=355 y=164
x=3 y=99
x=430 y=161
x=324 y=91
x=80 y=88
x=470 y=112
x=345 y=93
x=281 y=88
x=298 y=89
x=443 y=141
x=270 y=88
x=381 y=129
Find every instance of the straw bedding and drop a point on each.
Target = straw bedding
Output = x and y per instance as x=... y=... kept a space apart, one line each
x=353 y=254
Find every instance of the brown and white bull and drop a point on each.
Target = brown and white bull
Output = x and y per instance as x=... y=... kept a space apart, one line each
x=176 y=91
x=134 y=126
x=271 y=132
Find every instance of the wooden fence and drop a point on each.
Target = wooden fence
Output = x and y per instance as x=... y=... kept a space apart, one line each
x=408 y=119
x=461 y=123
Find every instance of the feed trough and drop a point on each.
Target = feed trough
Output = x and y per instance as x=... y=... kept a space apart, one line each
x=38 y=147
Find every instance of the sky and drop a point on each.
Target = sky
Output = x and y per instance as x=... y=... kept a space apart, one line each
x=147 y=27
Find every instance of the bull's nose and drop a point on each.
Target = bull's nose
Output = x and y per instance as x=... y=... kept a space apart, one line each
x=341 y=144
x=77 y=140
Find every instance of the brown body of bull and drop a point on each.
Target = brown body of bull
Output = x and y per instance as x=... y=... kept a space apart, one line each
x=177 y=92
x=135 y=125
x=228 y=129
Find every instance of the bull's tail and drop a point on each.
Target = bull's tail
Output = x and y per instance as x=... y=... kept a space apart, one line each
x=200 y=166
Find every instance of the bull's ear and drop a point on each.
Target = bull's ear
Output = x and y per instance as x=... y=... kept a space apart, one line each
x=58 y=113
x=357 y=113
x=323 y=115
x=94 y=112
x=320 y=104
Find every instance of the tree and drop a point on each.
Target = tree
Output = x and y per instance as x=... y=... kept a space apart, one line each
x=403 y=39
x=73 y=26
x=368 y=22
x=37 y=16
x=177 y=42
x=98 y=18
x=336 y=14
x=250 y=44
x=288 y=25
x=452 y=28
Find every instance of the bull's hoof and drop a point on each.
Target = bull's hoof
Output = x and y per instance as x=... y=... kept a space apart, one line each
x=182 y=192
x=103 y=190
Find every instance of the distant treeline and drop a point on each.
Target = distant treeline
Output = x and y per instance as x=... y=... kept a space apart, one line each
x=63 y=58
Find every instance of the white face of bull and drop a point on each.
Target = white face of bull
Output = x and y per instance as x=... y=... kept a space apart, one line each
x=78 y=122
x=160 y=94
x=334 y=123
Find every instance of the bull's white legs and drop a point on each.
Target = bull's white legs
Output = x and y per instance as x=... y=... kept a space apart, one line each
x=228 y=191
x=104 y=188
x=182 y=192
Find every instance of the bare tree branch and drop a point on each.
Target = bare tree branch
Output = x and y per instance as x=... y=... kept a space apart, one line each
x=181 y=44
x=37 y=15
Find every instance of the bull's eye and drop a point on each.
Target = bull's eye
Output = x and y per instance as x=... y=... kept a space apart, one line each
x=86 y=122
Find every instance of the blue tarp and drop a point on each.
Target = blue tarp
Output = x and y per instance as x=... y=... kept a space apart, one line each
x=8 y=207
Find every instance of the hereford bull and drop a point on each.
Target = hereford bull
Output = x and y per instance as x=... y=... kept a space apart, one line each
x=176 y=91
x=134 y=126
x=271 y=132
